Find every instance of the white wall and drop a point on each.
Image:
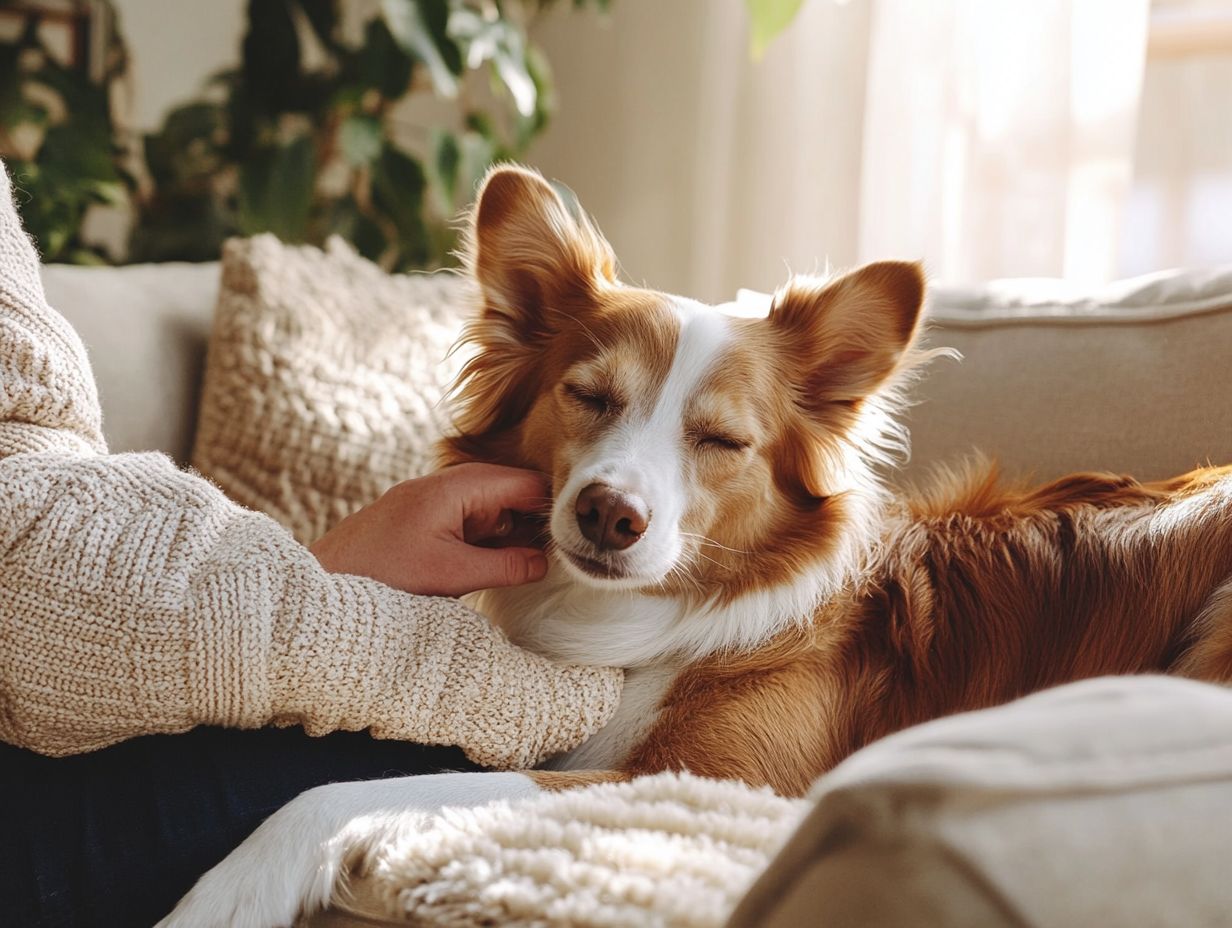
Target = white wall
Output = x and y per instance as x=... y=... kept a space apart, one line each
x=174 y=46
x=686 y=151
x=658 y=101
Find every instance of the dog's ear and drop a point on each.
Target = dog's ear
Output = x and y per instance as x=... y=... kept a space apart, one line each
x=532 y=256
x=538 y=264
x=844 y=338
x=840 y=341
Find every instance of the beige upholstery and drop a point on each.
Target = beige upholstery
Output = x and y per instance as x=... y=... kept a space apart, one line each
x=983 y=819
x=1052 y=380
x=1133 y=378
x=146 y=329
x=1099 y=803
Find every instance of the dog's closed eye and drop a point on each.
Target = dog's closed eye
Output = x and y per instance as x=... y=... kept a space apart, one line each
x=596 y=400
x=717 y=441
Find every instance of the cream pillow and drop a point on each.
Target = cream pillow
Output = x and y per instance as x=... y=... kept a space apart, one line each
x=1103 y=802
x=324 y=379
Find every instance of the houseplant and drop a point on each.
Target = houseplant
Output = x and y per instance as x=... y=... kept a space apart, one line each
x=307 y=136
x=315 y=132
x=309 y=145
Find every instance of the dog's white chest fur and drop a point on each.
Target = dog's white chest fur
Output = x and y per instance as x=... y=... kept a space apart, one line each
x=652 y=637
x=636 y=715
x=569 y=622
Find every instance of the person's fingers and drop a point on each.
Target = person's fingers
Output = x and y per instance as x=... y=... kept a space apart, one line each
x=489 y=488
x=510 y=530
x=488 y=526
x=484 y=568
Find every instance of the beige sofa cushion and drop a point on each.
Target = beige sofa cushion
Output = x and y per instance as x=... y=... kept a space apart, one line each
x=324 y=380
x=145 y=328
x=1135 y=377
x=1099 y=803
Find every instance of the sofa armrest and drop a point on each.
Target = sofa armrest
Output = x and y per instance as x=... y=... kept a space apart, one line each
x=1098 y=803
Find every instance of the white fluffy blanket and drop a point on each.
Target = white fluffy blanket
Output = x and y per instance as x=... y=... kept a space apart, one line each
x=665 y=850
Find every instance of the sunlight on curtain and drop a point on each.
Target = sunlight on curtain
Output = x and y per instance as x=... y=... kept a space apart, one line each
x=1180 y=206
x=999 y=137
x=991 y=139
x=709 y=171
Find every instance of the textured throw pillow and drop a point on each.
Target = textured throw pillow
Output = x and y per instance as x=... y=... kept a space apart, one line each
x=324 y=379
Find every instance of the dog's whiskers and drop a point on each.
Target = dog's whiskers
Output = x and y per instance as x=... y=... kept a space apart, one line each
x=713 y=561
x=710 y=541
x=586 y=331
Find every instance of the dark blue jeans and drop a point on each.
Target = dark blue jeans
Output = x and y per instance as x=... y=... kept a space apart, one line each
x=117 y=836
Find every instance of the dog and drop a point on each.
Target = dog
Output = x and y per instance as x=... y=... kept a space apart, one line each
x=719 y=527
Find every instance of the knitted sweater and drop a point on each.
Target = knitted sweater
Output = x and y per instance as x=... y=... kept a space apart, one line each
x=135 y=598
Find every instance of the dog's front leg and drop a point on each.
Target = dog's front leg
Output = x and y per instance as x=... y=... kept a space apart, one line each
x=292 y=862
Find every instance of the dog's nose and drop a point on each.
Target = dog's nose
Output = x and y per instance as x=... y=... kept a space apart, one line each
x=609 y=519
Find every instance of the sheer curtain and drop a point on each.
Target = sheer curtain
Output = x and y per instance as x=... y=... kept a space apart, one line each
x=989 y=139
x=706 y=170
x=999 y=137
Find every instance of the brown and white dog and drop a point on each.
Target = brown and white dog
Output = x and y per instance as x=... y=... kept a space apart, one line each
x=719 y=529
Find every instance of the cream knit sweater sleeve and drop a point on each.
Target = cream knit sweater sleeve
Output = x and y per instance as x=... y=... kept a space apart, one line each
x=135 y=598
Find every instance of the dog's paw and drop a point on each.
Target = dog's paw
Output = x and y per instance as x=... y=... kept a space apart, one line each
x=291 y=864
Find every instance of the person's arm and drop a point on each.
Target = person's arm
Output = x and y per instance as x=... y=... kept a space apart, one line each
x=48 y=401
x=135 y=598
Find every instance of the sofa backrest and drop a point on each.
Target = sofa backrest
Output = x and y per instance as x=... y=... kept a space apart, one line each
x=1135 y=377
x=146 y=328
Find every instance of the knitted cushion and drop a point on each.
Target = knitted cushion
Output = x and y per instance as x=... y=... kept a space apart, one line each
x=324 y=379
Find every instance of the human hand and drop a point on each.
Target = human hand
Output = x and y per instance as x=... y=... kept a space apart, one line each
x=453 y=532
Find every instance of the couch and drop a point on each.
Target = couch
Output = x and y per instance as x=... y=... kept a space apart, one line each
x=973 y=820
x=1132 y=377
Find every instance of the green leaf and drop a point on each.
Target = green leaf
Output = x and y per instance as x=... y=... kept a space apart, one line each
x=397 y=192
x=499 y=41
x=361 y=139
x=275 y=190
x=767 y=18
x=381 y=62
x=50 y=214
x=271 y=55
x=441 y=170
x=419 y=28
x=545 y=100
x=77 y=156
x=11 y=101
x=109 y=193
